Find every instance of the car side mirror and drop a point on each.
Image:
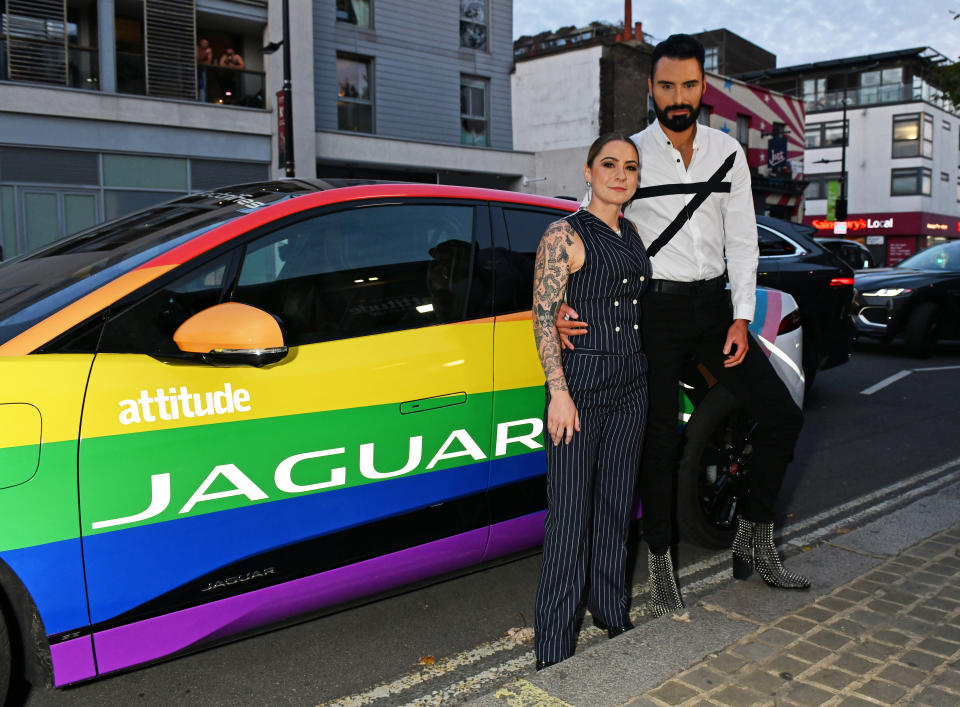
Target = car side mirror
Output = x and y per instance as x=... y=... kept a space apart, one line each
x=232 y=333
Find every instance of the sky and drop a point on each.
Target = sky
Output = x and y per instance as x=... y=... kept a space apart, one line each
x=797 y=31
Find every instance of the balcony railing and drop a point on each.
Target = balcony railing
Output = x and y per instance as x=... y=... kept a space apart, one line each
x=875 y=95
x=236 y=87
x=215 y=84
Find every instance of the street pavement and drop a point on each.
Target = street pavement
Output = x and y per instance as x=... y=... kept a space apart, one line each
x=881 y=625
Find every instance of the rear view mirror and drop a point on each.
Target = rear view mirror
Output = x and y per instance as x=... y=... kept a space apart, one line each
x=233 y=334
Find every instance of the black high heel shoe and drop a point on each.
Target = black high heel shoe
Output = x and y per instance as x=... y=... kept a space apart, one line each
x=753 y=549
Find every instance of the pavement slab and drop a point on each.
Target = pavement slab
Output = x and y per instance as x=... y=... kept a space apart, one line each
x=881 y=625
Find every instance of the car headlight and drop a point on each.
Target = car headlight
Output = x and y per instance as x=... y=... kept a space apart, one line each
x=888 y=292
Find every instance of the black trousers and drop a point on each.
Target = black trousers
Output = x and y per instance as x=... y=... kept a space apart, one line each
x=676 y=328
x=590 y=494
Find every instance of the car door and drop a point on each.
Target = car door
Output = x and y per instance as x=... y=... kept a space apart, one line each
x=517 y=485
x=215 y=499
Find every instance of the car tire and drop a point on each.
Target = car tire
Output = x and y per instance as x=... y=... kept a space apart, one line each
x=920 y=334
x=713 y=470
x=6 y=660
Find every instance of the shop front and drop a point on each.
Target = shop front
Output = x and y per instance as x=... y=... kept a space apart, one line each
x=891 y=237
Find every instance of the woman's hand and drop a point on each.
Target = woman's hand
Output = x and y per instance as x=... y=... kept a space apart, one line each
x=569 y=324
x=562 y=417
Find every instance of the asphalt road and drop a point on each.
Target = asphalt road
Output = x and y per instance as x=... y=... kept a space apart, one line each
x=436 y=643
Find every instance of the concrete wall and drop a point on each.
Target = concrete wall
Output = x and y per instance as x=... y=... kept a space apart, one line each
x=71 y=118
x=556 y=101
x=869 y=161
x=417 y=65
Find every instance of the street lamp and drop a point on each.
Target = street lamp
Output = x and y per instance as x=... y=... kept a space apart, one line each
x=287 y=108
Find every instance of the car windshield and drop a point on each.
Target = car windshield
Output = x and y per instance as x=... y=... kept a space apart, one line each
x=945 y=256
x=34 y=285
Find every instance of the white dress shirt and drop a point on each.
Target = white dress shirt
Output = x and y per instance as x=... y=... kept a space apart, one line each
x=723 y=225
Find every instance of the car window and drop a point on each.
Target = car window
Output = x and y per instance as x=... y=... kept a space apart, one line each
x=148 y=326
x=515 y=267
x=772 y=243
x=366 y=270
x=945 y=256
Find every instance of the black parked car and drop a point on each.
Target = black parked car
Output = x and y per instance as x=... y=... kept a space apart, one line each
x=792 y=261
x=854 y=254
x=918 y=299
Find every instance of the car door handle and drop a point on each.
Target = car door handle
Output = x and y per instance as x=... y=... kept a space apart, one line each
x=438 y=401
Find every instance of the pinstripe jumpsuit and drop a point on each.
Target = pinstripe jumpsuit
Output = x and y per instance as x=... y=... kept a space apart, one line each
x=590 y=482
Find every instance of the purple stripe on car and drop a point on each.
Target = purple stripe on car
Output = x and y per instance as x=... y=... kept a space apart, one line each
x=157 y=637
x=514 y=535
x=72 y=661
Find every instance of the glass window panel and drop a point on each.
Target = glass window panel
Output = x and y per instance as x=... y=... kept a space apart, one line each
x=870 y=78
x=355 y=12
x=331 y=277
x=925 y=182
x=812 y=135
x=8 y=224
x=118 y=203
x=927 y=127
x=80 y=211
x=148 y=326
x=473 y=36
x=833 y=135
x=906 y=129
x=40 y=215
x=812 y=190
x=473 y=10
x=356 y=117
x=906 y=149
x=147 y=172
x=890 y=76
x=903 y=184
x=473 y=132
x=353 y=78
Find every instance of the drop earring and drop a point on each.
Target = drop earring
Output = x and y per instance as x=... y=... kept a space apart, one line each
x=589 y=196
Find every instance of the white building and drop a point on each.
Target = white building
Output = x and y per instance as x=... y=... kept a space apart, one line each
x=902 y=151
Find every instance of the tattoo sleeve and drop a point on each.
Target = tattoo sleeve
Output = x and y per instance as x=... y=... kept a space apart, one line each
x=550 y=277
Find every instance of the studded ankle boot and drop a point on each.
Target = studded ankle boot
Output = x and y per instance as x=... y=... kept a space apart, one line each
x=753 y=548
x=663 y=594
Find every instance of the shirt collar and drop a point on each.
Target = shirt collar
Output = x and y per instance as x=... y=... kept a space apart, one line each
x=664 y=142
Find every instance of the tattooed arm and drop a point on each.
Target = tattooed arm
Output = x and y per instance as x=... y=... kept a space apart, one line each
x=560 y=252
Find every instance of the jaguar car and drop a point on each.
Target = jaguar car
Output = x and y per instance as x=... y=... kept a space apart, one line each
x=260 y=403
x=918 y=299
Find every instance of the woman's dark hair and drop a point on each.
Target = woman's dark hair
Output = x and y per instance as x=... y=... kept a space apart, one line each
x=603 y=140
x=677 y=46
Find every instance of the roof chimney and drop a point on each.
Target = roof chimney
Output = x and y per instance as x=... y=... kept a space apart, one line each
x=627 y=20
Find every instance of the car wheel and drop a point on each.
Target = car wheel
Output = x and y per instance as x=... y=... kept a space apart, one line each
x=920 y=335
x=6 y=660
x=714 y=469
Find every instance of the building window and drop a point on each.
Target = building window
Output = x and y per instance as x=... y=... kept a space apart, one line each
x=743 y=130
x=473 y=111
x=710 y=59
x=908 y=141
x=473 y=24
x=825 y=134
x=355 y=94
x=946 y=125
x=912 y=181
x=818 y=185
x=814 y=93
x=704 y=116
x=944 y=177
x=354 y=12
x=958 y=189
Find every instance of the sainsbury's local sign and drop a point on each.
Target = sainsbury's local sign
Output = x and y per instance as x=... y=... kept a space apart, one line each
x=856 y=224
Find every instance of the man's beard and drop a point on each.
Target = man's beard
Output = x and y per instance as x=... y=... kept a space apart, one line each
x=677 y=123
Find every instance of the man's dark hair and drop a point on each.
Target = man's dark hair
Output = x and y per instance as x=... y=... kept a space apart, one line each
x=677 y=46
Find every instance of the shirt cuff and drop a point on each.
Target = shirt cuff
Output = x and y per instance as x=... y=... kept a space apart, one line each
x=742 y=311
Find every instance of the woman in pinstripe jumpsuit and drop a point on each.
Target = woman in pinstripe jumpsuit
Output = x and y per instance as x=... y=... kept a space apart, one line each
x=596 y=401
